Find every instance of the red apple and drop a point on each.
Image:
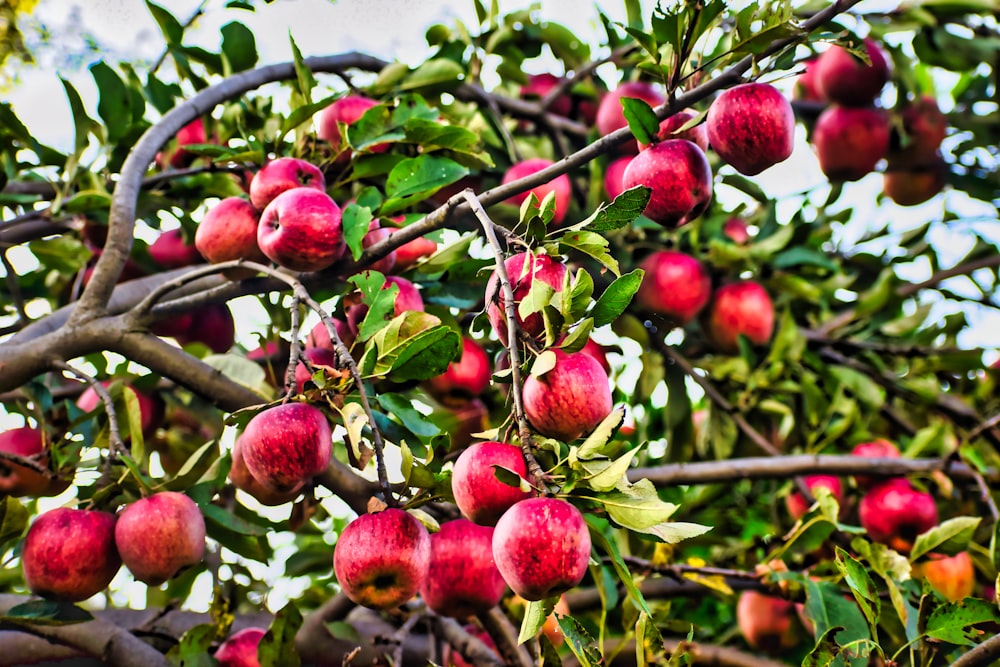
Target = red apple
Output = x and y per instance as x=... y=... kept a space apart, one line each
x=240 y=648
x=18 y=480
x=465 y=378
x=301 y=230
x=806 y=87
x=596 y=350
x=317 y=357
x=229 y=231
x=954 y=577
x=541 y=547
x=407 y=298
x=675 y=285
x=910 y=187
x=150 y=407
x=849 y=141
x=413 y=251
x=464 y=421
x=560 y=185
x=347 y=110
x=740 y=308
x=767 y=622
x=381 y=560
x=284 y=173
x=284 y=446
x=736 y=230
x=844 y=79
x=570 y=399
x=874 y=449
x=615 y=175
x=796 y=504
x=376 y=233
x=159 y=535
x=462 y=579
x=752 y=127
x=924 y=128
x=192 y=133
x=171 y=251
x=70 y=554
x=894 y=513
x=320 y=337
x=539 y=85
x=669 y=129
x=680 y=177
x=478 y=493
x=211 y=325
x=522 y=270
x=610 y=114
x=242 y=479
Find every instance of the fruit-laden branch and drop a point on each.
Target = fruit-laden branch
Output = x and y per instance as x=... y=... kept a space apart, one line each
x=782 y=467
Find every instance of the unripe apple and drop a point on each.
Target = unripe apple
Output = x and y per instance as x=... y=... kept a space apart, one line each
x=797 y=505
x=347 y=110
x=462 y=579
x=614 y=177
x=767 y=622
x=478 y=493
x=610 y=114
x=159 y=535
x=739 y=308
x=911 y=187
x=680 y=177
x=69 y=554
x=849 y=141
x=752 y=127
x=242 y=479
x=18 y=480
x=670 y=129
x=570 y=399
x=284 y=173
x=171 y=251
x=894 y=513
x=229 y=231
x=675 y=285
x=560 y=185
x=954 y=577
x=240 y=648
x=522 y=270
x=465 y=378
x=541 y=547
x=284 y=446
x=844 y=79
x=302 y=230
x=874 y=449
x=381 y=560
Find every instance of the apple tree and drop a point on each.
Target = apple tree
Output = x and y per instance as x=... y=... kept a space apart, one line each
x=676 y=351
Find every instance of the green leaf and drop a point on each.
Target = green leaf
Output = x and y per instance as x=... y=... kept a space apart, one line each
x=623 y=211
x=803 y=256
x=641 y=119
x=304 y=79
x=277 y=646
x=616 y=298
x=13 y=519
x=242 y=371
x=860 y=385
x=592 y=244
x=608 y=546
x=538 y=297
x=594 y=445
x=171 y=28
x=565 y=44
x=427 y=354
x=436 y=72
x=380 y=301
x=535 y=613
x=953 y=622
x=575 y=295
x=638 y=507
x=604 y=475
x=827 y=609
x=82 y=123
x=222 y=517
x=862 y=587
x=238 y=46
x=578 y=338
x=47 y=612
x=192 y=650
x=114 y=105
x=402 y=408
x=355 y=221
x=543 y=363
x=826 y=650
x=580 y=642
x=950 y=537
x=414 y=179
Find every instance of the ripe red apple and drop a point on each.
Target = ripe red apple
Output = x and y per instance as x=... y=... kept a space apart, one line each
x=320 y=337
x=675 y=285
x=464 y=421
x=192 y=133
x=229 y=231
x=924 y=128
x=849 y=141
x=18 y=480
x=894 y=513
x=570 y=399
x=614 y=177
x=242 y=479
x=736 y=230
x=797 y=505
x=522 y=270
x=171 y=251
x=347 y=110
x=874 y=449
x=211 y=325
x=381 y=560
x=462 y=579
x=610 y=114
x=284 y=173
x=70 y=554
x=596 y=350
x=680 y=177
x=240 y=648
x=538 y=87
x=910 y=187
x=478 y=493
x=407 y=298
x=541 y=547
x=150 y=407
x=413 y=251
x=669 y=129
x=158 y=535
x=317 y=357
x=739 y=308
x=751 y=126
x=845 y=79
x=376 y=233
x=767 y=622
x=954 y=577
x=560 y=185
x=301 y=230
x=806 y=88
x=465 y=378
x=284 y=446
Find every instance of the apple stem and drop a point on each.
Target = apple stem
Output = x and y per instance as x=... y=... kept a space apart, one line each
x=510 y=311
x=117 y=448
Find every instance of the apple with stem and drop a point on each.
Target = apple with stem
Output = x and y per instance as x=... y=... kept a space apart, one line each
x=845 y=79
x=570 y=399
x=159 y=535
x=286 y=445
x=462 y=579
x=479 y=494
x=680 y=177
x=560 y=186
x=894 y=513
x=281 y=174
x=301 y=230
x=751 y=127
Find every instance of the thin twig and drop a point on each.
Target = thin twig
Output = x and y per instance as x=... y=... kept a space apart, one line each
x=404 y=630
x=114 y=435
x=510 y=312
x=293 y=352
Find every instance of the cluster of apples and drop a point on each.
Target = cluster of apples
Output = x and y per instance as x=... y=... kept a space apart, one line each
x=852 y=135
x=71 y=554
